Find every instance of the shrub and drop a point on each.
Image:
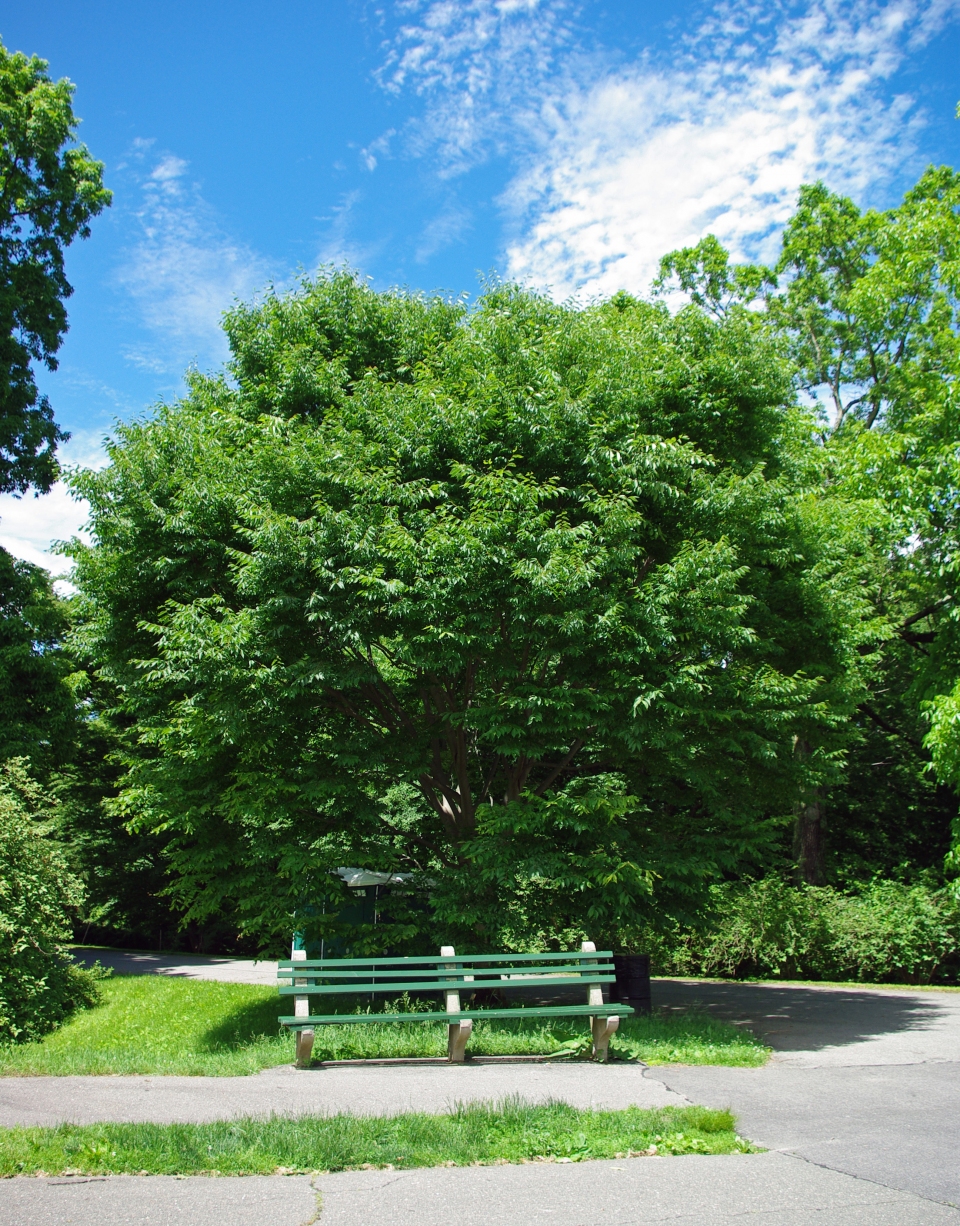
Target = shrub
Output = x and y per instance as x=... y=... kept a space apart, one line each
x=39 y=987
x=886 y=932
x=893 y=933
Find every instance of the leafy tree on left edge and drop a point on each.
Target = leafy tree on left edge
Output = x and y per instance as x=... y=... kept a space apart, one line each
x=50 y=188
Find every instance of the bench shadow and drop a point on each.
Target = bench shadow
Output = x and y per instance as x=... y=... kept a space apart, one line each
x=800 y=1018
x=245 y=1025
x=258 y=1020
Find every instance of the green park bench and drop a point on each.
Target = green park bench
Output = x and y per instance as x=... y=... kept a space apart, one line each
x=449 y=976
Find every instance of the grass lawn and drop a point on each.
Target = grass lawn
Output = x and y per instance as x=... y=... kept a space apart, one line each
x=479 y=1133
x=159 y=1024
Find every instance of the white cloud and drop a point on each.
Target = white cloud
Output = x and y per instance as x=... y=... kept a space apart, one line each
x=644 y=161
x=615 y=165
x=30 y=525
x=337 y=247
x=376 y=149
x=182 y=271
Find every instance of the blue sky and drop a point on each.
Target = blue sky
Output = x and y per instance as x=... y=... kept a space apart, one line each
x=427 y=142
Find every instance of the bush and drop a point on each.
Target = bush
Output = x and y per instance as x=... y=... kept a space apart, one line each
x=887 y=932
x=39 y=894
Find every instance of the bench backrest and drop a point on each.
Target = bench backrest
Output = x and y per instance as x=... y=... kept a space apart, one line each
x=453 y=973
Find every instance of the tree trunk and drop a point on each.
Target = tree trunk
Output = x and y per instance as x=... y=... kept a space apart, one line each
x=808 y=839
x=808 y=830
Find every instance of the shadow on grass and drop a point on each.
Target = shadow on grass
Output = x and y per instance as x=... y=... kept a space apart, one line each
x=254 y=1022
x=666 y=1036
x=251 y=1023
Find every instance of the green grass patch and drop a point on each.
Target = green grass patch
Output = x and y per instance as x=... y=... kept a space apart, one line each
x=159 y=1024
x=485 y=1133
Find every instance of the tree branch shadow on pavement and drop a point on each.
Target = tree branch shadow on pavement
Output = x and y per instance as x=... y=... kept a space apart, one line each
x=795 y=1018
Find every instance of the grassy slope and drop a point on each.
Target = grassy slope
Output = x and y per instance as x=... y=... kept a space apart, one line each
x=479 y=1133
x=156 y=1024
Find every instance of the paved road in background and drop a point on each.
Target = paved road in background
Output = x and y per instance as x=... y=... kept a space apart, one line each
x=859 y=1108
x=179 y=966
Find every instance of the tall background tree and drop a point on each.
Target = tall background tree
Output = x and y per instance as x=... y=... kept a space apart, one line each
x=50 y=189
x=868 y=304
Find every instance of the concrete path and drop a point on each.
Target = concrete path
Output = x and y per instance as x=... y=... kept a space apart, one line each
x=376 y=1090
x=762 y=1189
x=898 y=1125
x=181 y=966
x=863 y=1080
x=158 y=1200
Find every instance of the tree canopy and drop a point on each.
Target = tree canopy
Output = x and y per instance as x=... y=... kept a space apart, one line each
x=532 y=601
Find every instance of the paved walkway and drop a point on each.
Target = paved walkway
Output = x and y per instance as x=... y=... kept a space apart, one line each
x=858 y=1107
x=763 y=1190
x=377 y=1090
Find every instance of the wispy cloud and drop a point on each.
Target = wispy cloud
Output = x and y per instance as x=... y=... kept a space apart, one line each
x=182 y=270
x=616 y=164
x=479 y=66
x=645 y=160
x=338 y=245
x=449 y=226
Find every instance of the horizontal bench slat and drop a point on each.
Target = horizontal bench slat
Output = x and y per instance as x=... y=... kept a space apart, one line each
x=477 y=1015
x=447 y=973
x=432 y=985
x=465 y=975
x=456 y=959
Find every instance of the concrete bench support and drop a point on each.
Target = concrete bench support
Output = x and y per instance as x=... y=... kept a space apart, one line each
x=301 y=1008
x=458 y=1033
x=601 y=1028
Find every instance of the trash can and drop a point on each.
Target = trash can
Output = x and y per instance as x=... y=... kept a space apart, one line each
x=633 y=980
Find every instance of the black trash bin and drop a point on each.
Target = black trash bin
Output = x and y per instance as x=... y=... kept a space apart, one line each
x=633 y=980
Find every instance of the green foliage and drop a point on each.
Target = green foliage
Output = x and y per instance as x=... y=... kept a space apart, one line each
x=194 y=1028
x=532 y=603
x=473 y=1134
x=867 y=305
x=37 y=709
x=39 y=895
x=51 y=188
x=886 y=932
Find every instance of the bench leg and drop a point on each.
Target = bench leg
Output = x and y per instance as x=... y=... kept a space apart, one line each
x=458 y=1034
x=603 y=1028
x=304 y=1047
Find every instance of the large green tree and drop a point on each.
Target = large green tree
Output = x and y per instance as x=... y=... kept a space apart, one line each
x=533 y=602
x=50 y=188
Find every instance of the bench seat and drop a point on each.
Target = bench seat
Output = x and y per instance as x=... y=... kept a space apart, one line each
x=476 y=1015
